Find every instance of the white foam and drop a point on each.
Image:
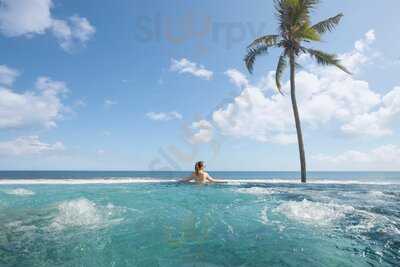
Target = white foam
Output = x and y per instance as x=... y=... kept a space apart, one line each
x=258 y=191
x=145 y=180
x=20 y=192
x=314 y=212
x=263 y=215
x=83 y=213
x=370 y=220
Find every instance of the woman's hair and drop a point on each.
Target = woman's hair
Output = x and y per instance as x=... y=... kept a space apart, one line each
x=198 y=166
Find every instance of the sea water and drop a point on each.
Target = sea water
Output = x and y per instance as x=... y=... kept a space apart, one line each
x=147 y=219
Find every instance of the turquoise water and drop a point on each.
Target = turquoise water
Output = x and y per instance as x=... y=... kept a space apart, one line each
x=146 y=219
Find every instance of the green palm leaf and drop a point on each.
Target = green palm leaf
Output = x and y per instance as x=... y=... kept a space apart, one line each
x=259 y=47
x=267 y=40
x=282 y=64
x=325 y=59
x=307 y=33
x=251 y=56
x=328 y=24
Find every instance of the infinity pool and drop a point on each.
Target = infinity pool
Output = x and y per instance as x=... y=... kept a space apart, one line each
x=166 y=224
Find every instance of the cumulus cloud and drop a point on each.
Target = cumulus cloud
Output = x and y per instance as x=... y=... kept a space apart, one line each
x=237 y=78
x=41 y=107
x=202 y=132
x=254 y=115
x=7 y=75
x=32 y=17
x=72 y=33
x=186 y=66
x=360 y=55
x=28 y=145
x=323 y=95
x=25 y=17
x=376 y=123
x=386 y=157
x=164 y=116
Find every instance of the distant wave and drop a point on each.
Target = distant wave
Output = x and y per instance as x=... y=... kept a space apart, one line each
x=163 y=181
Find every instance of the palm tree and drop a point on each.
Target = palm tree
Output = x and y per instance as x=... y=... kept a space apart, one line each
x=295 y=29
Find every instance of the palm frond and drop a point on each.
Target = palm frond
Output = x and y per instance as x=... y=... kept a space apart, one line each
x=267 y=40
x=302 y=11
x=309 y=33
x=309 y=4
x=282 y=64
x=293 y=14
x=282 y=15
x=328 y=24
x=252 y=54
x=259 y=47
x=326 y=59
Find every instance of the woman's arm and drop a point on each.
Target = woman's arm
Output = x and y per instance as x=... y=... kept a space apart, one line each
x=187 y=179
x=212 y=180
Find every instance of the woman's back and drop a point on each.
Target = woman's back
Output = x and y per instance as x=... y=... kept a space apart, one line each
x=200 y=177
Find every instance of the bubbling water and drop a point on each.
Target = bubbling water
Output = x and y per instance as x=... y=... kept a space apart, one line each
x=83 y=213
x=314 y=212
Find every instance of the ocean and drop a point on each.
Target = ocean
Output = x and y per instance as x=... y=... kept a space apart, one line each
x=123 y=218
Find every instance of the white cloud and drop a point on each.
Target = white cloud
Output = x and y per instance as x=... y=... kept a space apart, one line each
x=237 y=78
x=30 y=17
x=360 y=55
x=164 y=116
x=77 y=31
x=186 y=66
x=7 y=75
x=253 y=115
x=25 y=17
x=39 y=108
x=376 y=123
x=28 y=145
x=386 y=157
x=369 y=38
x=323 y=95
x=203 y=132
x=108 y=103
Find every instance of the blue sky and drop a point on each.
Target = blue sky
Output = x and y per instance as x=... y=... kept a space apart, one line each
x=157 y=85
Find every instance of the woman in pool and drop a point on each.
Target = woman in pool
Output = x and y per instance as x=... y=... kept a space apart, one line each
x=199 y=175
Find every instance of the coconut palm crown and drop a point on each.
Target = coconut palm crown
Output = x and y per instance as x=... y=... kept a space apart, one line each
x=295 y=29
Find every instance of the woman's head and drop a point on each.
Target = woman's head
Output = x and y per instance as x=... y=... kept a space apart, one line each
x=199 y=166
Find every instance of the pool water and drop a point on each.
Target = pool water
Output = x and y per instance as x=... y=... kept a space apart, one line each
x=168 y=224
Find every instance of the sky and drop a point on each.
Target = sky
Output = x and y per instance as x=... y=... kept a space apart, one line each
x=158 y=85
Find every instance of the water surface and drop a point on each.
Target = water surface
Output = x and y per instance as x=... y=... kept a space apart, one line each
x=257 y=219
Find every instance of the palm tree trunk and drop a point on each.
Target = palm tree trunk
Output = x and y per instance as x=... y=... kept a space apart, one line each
x=297 y=118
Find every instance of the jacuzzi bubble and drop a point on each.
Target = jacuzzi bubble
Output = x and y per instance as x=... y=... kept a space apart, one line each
x=314 y=212
x=83 y=213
